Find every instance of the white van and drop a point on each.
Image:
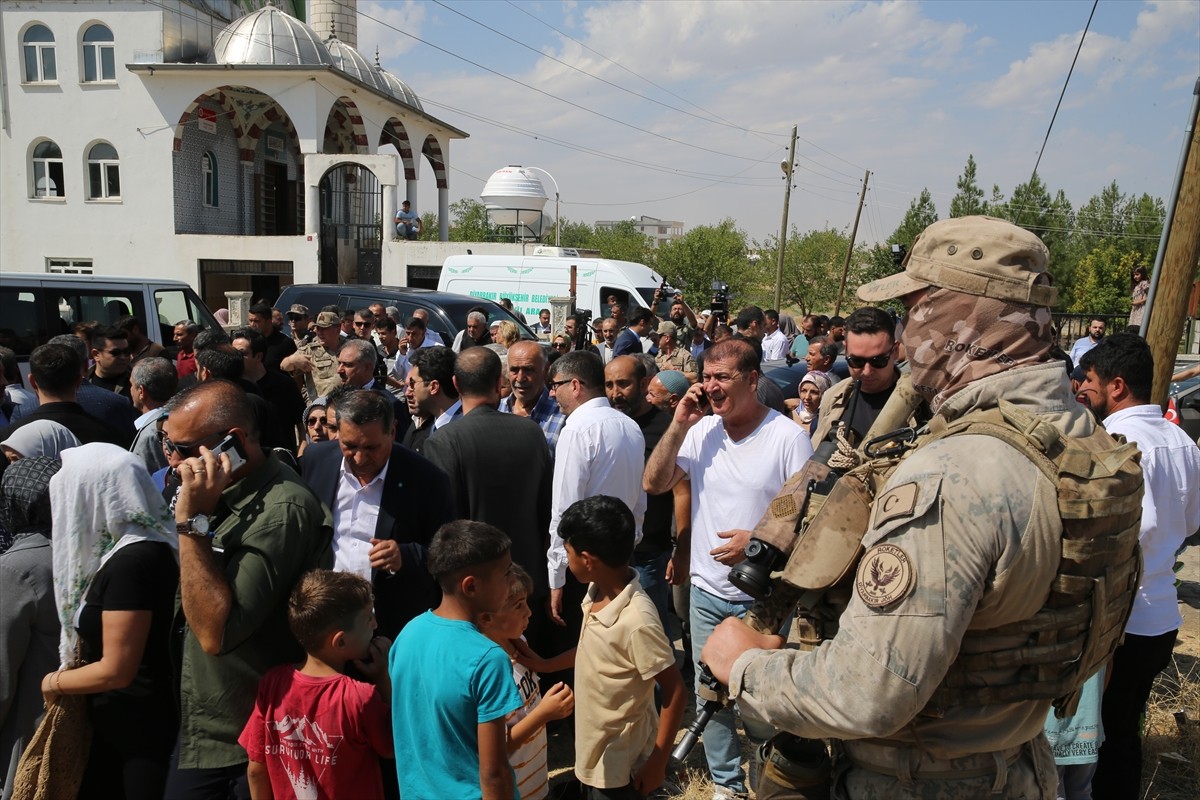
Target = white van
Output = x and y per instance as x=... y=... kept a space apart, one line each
x=530 y=281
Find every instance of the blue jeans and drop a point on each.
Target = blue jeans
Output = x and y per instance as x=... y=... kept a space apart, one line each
x=652 y=573
x=721 y=745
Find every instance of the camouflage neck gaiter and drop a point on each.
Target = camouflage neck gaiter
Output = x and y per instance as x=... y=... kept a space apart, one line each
x=953 y=339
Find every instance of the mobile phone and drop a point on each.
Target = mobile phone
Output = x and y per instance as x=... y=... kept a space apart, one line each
x=704 y=403
x=230 y=445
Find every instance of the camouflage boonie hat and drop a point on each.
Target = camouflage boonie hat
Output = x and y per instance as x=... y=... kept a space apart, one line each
x=983 y=256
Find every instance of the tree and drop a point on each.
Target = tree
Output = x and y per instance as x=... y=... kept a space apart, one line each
x=623 y=242
x=920 y=215
x=469 y=222
x=1102 y=284
x=705 y=254
x=970 y=199
x=429 y=227
x=574 y=234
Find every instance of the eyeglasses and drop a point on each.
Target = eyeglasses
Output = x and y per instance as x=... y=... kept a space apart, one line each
x=553 y=385
x=878 y=362
x=411 y=384
x=561 y=345
x=117 y=353
x=190 y=450
x=358 y=323
x=316 y=422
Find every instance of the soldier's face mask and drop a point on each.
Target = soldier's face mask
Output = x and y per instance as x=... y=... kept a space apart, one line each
x=953 y=339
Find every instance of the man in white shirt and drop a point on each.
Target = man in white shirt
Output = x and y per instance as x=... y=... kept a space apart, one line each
x=737 y=460
x=600 y=451
x=608 y=333
x=774 y=343
x=1120 y=371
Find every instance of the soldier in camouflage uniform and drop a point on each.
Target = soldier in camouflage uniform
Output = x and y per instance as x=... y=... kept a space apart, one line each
x=965 y=536
x=314 y=365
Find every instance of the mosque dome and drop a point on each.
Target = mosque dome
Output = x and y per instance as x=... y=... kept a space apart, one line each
x=398 y=88
x=269 y=36
x=350 y=61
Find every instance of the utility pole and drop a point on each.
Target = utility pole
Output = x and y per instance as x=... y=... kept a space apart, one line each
x=837 y=309
x=787 y=167
x=1178 y=253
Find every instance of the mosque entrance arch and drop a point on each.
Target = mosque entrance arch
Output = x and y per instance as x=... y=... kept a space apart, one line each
x=351 y=243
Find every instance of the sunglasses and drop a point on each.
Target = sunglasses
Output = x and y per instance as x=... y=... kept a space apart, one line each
x=316 y=422
x=561 y=345
x=118 y=352
x=190 y=450
x=878 y=362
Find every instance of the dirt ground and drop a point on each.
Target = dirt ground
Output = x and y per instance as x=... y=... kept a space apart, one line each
x=1172 y=743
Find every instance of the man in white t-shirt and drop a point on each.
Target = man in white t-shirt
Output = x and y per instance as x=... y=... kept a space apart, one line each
x=737 y=460
x=1120 y=371
x=774 y=343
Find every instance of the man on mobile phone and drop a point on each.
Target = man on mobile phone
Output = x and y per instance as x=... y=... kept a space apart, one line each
x=246 y=535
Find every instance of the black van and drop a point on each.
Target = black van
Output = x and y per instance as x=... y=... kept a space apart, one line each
x=447 y=312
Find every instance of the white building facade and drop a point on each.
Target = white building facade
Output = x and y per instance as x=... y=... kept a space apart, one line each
x=659 y=231
x=221 y=142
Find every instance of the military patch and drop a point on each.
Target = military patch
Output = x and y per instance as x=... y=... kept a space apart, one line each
x=898 y=502
x=885 y=575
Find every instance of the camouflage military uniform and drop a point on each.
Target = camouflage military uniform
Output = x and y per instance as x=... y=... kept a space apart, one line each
x=964 y=536
x=324 y=375
x=833 y=405
x=680 y=359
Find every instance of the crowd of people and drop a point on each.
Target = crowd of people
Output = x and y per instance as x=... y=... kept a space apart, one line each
x=343 y=559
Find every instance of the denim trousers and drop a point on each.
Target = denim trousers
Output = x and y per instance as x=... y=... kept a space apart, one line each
x=722 y=746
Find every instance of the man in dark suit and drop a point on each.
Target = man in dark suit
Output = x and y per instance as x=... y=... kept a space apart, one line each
x=387 y=503
x=499 y=468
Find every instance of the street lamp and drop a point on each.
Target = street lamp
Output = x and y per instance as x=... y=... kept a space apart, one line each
x=556 y=214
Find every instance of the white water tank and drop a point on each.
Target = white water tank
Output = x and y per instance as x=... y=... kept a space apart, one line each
x=513 y=191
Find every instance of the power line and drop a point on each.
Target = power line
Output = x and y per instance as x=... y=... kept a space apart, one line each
x=552 y=96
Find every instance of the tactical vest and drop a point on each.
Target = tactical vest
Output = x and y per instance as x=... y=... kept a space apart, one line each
x=1052 y=653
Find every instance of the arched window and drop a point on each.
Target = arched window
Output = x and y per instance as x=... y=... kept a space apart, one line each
x=47 y=171
x=208 y=168
x=104 y=172
x=38 y=48
x=99 y=55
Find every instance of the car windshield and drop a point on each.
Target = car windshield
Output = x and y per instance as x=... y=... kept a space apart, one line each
x=457 y=310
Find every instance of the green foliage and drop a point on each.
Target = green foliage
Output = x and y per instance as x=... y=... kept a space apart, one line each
x=574 y=234
x=429 y=227
x=812 y=269
x=468 y=221
x=623 y=242
x=707 y=253
x=1102 y=280
x=920 y=215
x=970 y=199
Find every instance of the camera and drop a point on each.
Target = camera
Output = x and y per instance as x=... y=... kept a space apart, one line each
x=720 y=301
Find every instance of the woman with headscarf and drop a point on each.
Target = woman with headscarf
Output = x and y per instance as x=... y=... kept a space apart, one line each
x=41 y=438
x=812 y=387
x=315 y=427
x=29 y=626
x=116 y=571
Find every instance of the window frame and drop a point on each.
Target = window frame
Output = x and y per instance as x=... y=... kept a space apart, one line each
x=94 y=53
x=39 y=49
x=108 y=168
x=69 y=266
x=211 y=178
x=43 y=165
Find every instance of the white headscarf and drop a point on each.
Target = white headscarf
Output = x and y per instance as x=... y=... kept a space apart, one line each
x=101 y=500
x=41 y=438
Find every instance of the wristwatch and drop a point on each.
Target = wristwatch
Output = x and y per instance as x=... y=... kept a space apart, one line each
x=196 y=526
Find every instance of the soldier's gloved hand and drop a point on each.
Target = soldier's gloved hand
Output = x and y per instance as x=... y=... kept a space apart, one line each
x=729 y=640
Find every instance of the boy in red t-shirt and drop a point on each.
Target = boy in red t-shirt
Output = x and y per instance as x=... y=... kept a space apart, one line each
x=316 y=732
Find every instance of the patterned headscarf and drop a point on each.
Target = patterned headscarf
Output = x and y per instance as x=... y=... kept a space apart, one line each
x=25 y=496
x=103 y=499
x=953 y=339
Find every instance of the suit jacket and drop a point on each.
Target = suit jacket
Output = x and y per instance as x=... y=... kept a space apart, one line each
x=500 y=472
x=628 y=343
x=416 y=502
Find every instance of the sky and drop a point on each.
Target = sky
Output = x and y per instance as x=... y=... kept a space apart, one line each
x=683 y=110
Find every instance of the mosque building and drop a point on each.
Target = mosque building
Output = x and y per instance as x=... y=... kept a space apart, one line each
x=226 y=143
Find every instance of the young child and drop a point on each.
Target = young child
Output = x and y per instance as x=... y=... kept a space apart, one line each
x=526 y=725
x=453 y=686
x=621 y=743
x=314 y=731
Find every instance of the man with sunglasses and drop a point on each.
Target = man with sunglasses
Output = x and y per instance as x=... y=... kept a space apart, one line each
x=246 y=535
x=871 y=356
x=112 y=357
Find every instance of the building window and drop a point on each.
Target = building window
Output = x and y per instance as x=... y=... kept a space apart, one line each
x=69 y=266
x=47 y=171
x=38 y=47
x=208 y=168
x=99 y=55
x=104 y=172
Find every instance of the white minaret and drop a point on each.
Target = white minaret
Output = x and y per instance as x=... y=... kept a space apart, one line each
x=336 y=16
